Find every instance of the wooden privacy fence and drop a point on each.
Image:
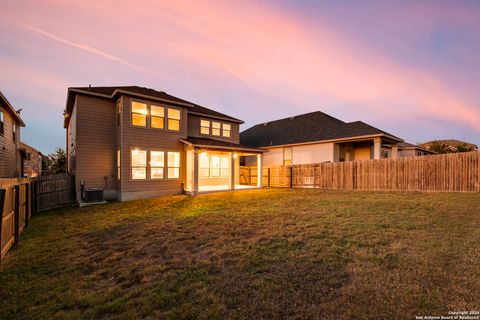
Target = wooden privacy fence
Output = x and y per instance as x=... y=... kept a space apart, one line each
x=16 y=210
x=458 y=172
x=19 y=198
x=53 y=191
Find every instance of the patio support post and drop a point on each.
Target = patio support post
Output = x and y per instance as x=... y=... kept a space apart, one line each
x=195 y=171
x=232 y=171
x=377 y=146
x=260 y=171
x=394 y=151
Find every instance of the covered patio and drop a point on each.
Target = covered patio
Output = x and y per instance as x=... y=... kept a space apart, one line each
x=367 y=148
x=213 y=165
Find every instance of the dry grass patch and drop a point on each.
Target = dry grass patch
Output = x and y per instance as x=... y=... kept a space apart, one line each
x=250 y=254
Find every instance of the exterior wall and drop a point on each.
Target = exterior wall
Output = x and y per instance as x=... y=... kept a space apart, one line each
x=194 y=129
x=274 y=157
x=149 y=139
x=72 y=140
x=95 y=141
x=362 y=152
x=10 y=160
x=32 y=165
x=315 y=153
x=304 y=154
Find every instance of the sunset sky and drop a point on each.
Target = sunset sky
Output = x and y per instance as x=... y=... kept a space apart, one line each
x=409 y=68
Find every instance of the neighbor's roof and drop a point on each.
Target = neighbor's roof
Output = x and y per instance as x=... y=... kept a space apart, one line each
x=141 y=92
x=217 y=144
x=11 y=109
x=305 y=128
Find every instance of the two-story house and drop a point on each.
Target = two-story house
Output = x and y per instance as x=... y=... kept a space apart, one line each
x=10 y=123
x=136 y=142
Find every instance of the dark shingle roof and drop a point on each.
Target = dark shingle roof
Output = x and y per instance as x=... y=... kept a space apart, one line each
x=109 y=92
x=207 y=142
x=309 y=127
x=8 y=106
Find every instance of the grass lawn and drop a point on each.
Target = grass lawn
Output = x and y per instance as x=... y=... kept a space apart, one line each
x=270 y=254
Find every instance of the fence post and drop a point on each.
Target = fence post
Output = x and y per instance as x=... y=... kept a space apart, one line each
x=2 y=202
x=268 y=177
x=291 y=177
x=17 y=215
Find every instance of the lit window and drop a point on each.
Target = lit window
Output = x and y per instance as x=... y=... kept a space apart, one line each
x=118 y=164
x=215 y=166
x=14 y=130
x=216 y=126
x=119 y=111
x=226 y=132
x=173 y=119
x=139 y=164
x=157 y=162
x=139 y=114
x=2 y=122
x=204 y=127
x=204 y=165
x=225 y=166
x=287 y=156
x=174 y=165
x=157 y=117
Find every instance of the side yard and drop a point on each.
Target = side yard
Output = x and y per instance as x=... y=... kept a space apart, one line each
x=273 y=253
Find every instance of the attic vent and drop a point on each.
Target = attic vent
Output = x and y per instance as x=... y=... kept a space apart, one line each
x=266 y=123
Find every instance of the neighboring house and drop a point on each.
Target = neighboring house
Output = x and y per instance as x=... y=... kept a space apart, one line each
x=10 y=123
x=32 y=161
x=412 y=150
x=137 y=143
x=317 y=137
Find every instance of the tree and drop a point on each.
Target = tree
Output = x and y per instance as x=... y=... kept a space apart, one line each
x=57 y=161
x=463 y=147
x=439 y=147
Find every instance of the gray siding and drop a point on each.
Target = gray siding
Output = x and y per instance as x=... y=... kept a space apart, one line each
x=149 y=139
x=9 y=150
x=95 y=143
x=194 y=129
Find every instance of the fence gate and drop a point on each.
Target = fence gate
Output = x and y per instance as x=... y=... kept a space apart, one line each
x=53 y=192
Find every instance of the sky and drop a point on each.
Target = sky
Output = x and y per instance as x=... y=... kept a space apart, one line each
x=411 y=68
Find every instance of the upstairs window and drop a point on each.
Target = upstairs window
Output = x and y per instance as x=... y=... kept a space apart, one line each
x=139 y=164
x=14 y=130
x=157 y=162
x=216 y=127
x=226 y=130
x=204 y=127
x=287 y=156
x=173 y=165
x=2 y=122
x=173 y=119
x=119 y=111
x=139 y=114
x=157 y=117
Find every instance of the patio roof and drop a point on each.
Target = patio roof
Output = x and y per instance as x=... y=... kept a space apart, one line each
x=217 y=144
